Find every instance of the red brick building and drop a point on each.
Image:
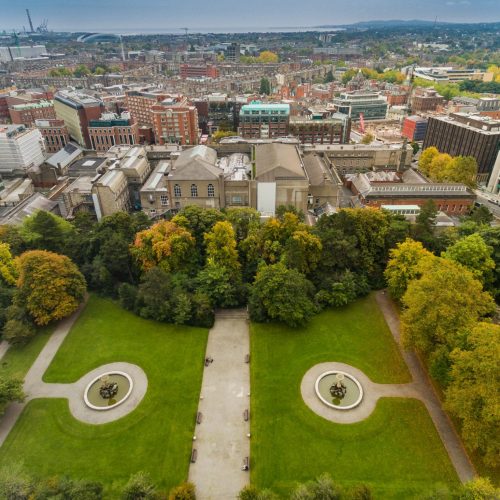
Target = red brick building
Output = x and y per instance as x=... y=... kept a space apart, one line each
x=424 y=100
x=139 y=104
x=175 y=123
x=414 y=128
x=198 y=70
x=27 y=113
x=112 y=130
x=54 y=133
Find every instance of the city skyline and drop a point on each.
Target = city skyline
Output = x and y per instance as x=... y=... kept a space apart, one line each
x=72 y=15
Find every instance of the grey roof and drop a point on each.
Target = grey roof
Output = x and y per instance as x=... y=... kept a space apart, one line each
x=65 y=156
x=87 y=165
x=37 y=201
x=316 y=170
x=277 y=161
x=198 y=163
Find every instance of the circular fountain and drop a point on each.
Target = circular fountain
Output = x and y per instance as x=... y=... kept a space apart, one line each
x=339 y=390
x=108 y=390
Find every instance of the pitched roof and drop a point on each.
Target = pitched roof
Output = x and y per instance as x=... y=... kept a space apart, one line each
x=277 y=161
x=198 y=163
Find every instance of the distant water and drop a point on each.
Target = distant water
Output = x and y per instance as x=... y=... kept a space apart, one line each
x=203 y=31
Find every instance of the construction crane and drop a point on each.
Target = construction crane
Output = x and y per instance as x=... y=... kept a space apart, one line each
x=29 y=20
x=185 y=30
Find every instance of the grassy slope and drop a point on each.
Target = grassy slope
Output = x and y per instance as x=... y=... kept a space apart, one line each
x=396 y=450
x=18 y=359
x=156 y=437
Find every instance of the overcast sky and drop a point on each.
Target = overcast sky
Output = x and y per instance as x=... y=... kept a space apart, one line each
x=169 y=14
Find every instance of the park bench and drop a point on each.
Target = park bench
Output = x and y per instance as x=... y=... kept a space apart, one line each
x=247 y=358
x=199 y=417
x=194 y=455
x=246 y=415
x=246 y=464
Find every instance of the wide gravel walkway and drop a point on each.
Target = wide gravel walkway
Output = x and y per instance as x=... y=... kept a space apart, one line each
x=428 y=396
x=221 y=437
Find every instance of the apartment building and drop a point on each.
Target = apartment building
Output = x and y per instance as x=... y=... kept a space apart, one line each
x=175 y=123
x=198 y=70
x=424 y=100
x=371 y=105
x=414 y=128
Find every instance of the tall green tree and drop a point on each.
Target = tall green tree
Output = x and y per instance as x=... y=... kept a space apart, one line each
x=281 y=294
x=11 y=390
x=265 y=86
x=473 y=253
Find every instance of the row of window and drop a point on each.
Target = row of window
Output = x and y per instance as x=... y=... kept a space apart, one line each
x=194 y=191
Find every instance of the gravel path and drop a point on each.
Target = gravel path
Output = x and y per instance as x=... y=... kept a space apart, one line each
x=428 y=396
x=221 y=438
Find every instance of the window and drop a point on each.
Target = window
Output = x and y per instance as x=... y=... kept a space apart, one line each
x=164 y=200
x=177 y=191
x=211 y=190
x=194 y=190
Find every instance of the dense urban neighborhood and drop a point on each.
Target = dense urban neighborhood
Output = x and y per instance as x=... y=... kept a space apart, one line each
x=253 y=263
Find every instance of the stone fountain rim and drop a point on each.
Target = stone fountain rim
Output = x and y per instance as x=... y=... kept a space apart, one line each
x=349 y=376
x=118 y=403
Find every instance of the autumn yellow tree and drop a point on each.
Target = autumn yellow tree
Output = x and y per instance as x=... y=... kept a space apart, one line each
x=426 y=158
x=267 y=56
x=165 y=244
x=7 y=268
x=473 y=394
x=49 y=285
x=403 y=265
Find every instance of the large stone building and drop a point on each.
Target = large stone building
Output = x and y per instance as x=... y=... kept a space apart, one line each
x=424 y=100
x=466 y=135
x=76 y=110
x=313 y=129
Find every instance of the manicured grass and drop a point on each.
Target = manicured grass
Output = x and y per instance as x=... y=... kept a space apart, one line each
x=396 y=451
x=18 y=359
x=156 y=437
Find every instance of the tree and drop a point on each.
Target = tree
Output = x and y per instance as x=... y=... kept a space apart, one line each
x=15 y=484
x=220 y=134
x=7 y=269
x=46 y=231
x=403 y=266
x=303 y=251
x=155 y=295
x=139 y=486
x=220 y=284
x=267 y=56
x=265 y=86
x=472 y=394
x=439 y=167
x=367 y=138
x=473 y=253
x=480 y=488
x=11 y=389
x=281 y=294
x=423 y=230
x=426 y=158
x=329 y=77
x=220 y=245
x=415 y=146
x=81 y=70
x=480 y=215
x=17 y=331
x=198 y=221
x=50 y=286
x=244 y=220
x=439 y=307
x=462 y=169
x=322 y=488
x=166 y=245
x=185 y=491
x=251 y=492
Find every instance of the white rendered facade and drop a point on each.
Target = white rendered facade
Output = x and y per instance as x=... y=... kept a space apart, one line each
x=20 y=149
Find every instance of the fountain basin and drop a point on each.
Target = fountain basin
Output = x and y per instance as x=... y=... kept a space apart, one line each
x=353 y=390
x=92 y=395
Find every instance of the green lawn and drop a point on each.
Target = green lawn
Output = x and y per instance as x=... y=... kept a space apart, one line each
x=18 y=359
x=156 y=437
x=397 y=450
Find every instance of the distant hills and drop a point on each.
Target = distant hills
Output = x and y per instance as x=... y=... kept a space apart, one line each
x=397 y=23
